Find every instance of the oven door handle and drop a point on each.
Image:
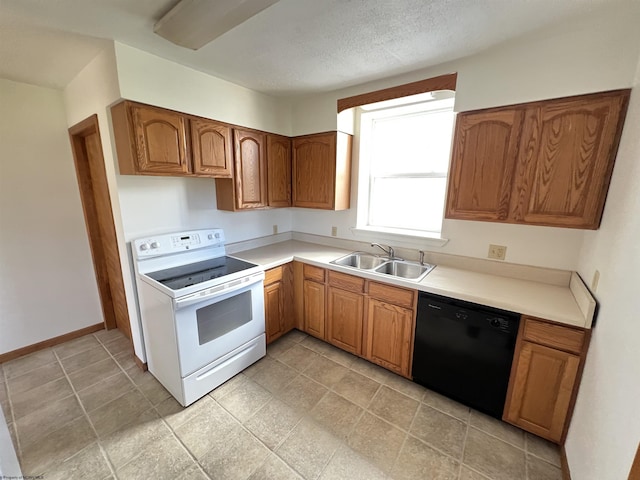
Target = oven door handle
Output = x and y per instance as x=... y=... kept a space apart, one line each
x=219 y=290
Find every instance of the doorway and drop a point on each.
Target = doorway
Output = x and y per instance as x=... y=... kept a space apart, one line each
x=96 y=205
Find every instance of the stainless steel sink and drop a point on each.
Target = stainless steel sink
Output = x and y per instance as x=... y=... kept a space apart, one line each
x=396 y=268
x=360 y=260
x=404 y=269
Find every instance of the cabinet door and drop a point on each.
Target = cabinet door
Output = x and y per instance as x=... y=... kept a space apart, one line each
x=250 y=169
x=345 y=312
x=389 y=330
x=314 y=169
x=274 y=310
x=161 y=140
x=566 y=158
x=314 y=308
x=541 y=387
x=211 y=148
x=483 y=162
x=279 y=170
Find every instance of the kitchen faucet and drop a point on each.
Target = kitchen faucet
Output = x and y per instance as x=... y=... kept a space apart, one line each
x=389 y=251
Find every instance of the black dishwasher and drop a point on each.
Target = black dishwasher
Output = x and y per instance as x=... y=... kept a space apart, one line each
x=464 y=351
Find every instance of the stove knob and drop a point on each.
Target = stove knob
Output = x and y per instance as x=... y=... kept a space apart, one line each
x=210 y=237
x=144 y=246
x=155 y=245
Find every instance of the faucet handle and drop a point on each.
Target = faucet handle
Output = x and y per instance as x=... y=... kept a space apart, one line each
x=421 y=257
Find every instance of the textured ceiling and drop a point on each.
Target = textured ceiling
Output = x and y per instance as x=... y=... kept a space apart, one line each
x=293 y=47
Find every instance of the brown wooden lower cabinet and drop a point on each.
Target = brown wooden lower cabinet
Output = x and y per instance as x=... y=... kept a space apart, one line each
x=278 y=302
x=389 y=335
x=544 y=378
x=345 y=315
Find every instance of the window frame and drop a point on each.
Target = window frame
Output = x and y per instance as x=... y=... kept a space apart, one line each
x=365 y=115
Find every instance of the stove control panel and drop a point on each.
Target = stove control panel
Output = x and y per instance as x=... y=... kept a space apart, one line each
x=177 y=242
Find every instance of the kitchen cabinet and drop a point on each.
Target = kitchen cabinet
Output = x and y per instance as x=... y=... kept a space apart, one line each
x=279 y=170
x=389 y=327
x=313 y=298
x=482 y=166
x=541 y=163
x=211 y=148
x=345 y=312
x=150 y=140
x=248 y=189
x=278 y=301
x=545 y=377
x=322 y=171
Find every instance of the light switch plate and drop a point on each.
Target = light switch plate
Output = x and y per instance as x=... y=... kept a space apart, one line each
x=497 y=252
x=595 y=280
x=275 y=229
x=334 y=231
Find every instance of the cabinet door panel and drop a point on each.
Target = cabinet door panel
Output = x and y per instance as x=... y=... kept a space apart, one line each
x=274 y=310
x=483 y=163
x=389 y=332
x=345 y=313
x=566 y=161
x=314 y=164
x=279 y=170
x=250 y=170
x=542 y=386
x=161 y=141
x=314 y=308
x=211 y=148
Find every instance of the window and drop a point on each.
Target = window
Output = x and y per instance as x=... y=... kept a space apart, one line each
x=404 y=159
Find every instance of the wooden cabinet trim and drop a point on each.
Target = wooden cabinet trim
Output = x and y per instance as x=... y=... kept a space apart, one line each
x=442 y=82
x=273 y=275
x=346 y=282
x=553 y=335
x=395 y=295
x=314 y=273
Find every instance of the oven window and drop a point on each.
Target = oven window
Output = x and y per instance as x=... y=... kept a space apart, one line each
x=220 y=318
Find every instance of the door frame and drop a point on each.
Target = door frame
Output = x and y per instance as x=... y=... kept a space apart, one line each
x=100 y=225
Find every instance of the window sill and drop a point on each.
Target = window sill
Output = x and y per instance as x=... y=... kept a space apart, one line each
x=419 y=239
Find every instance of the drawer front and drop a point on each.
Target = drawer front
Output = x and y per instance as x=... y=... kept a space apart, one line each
x=272 y=276
x=555 y=336
x=346 y=282
x=394 y=295
x=314 y=273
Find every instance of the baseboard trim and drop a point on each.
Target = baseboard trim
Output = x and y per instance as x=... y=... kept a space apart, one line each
x=564 y=465
x=5 y=357
x=141 y=365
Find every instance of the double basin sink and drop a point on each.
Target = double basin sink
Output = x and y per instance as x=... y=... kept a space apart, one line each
x=388 y=266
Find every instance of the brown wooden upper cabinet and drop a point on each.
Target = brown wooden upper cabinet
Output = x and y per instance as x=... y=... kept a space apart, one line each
x=541 y=163
x=279 y=170
x=322 y=171
x=155 y=141
x=262 y=172
x=211 y=148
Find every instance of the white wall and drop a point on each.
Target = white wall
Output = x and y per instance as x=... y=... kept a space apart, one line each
x=605 y=429
x=47 y=282
x=594 y=53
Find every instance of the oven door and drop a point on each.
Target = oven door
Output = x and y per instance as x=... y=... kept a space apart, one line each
x=212 y=323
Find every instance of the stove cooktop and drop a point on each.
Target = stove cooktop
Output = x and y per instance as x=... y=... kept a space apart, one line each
x=186 y=275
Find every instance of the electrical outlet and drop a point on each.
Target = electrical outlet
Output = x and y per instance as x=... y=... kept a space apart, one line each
x=334 y=231
x=275 y=229
x=497 y=252
x=595 y=280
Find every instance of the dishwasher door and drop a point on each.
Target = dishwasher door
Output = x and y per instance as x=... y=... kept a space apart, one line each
x=464 y=351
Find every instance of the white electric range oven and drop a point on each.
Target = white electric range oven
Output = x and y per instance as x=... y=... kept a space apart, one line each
x=202 y=311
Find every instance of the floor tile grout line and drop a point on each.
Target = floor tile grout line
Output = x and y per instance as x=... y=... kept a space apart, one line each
x=84 y=411
x=464 y=447
x=13 y=415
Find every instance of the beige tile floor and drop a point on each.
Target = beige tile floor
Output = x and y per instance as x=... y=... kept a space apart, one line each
x=307 y=410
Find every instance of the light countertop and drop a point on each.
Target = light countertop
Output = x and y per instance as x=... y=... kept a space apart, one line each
x=551 y=302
